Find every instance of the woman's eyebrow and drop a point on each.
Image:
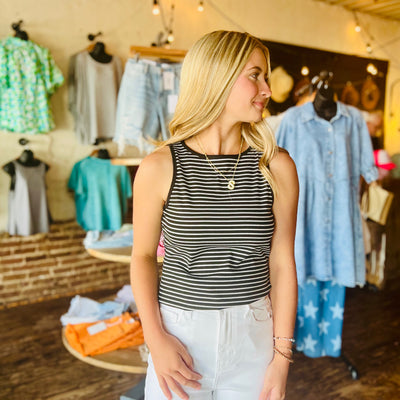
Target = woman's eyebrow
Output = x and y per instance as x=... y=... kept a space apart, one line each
x=256 y=67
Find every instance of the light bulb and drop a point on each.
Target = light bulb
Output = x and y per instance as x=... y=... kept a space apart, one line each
x=368 y=48
x=156 y=8
x=357 y=28
x=200 y=7
x=170 y=37
x=372 y=69
x=304 y=70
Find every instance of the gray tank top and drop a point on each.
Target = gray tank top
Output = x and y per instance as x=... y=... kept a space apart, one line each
x=27 y=203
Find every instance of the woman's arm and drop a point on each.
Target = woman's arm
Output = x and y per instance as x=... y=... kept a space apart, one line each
x=172 y=362
x=282 y=273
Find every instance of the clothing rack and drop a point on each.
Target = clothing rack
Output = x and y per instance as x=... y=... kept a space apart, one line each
x=157 y=52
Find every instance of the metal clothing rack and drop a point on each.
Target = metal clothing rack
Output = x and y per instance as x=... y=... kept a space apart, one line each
x=352 y=369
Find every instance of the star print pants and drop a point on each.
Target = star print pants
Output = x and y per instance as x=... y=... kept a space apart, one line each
x=320 y=318
x=231 y=348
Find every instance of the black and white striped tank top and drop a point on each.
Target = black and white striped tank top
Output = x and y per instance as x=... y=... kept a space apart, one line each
x=217 y=241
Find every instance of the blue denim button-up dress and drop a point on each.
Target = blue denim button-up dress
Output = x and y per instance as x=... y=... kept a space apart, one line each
x=330 y=158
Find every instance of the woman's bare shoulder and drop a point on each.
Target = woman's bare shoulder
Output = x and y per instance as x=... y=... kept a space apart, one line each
x=157 y=161
x=281 y=160
x=155 y=171
x=283 y=168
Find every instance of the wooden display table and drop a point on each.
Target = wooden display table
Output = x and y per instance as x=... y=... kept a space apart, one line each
x=117 y=254
x=121 y=360
x=129 y=162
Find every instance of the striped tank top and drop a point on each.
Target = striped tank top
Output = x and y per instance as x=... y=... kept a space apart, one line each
x=217 y=241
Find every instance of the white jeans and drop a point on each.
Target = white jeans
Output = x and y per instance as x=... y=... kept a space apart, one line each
x=231 y=349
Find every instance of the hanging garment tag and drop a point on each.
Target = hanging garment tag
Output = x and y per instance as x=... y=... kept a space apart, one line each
x=168 y=80
x=96 y=328
x=172 y=101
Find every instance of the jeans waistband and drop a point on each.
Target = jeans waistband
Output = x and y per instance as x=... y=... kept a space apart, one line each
x=239 y=310
x=145 y=65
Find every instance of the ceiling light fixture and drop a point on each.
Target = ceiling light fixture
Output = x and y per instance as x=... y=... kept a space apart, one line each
x=305 y=70
x=156 y=8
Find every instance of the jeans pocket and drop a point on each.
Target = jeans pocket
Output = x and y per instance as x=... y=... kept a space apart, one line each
x=170 y=315
x=261 y=310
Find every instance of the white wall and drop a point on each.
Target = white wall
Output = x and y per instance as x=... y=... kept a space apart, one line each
x=62 y=26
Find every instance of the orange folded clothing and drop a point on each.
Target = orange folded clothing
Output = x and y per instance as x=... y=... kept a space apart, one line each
x=100 y=337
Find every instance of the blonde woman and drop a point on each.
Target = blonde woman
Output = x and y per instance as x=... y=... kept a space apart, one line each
x=220 y=323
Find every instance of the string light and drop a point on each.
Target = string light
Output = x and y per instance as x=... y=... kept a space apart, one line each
x=372 y=69
x=170 y=37
x=357 y=28
x=156 y=8
x=368 y=48
x=200 y=8
x=305 y=70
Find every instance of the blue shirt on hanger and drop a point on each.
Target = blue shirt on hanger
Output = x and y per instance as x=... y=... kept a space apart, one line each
x=101 y=193
x=330 y=157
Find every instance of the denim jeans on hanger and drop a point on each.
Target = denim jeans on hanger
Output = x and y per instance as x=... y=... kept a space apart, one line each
x=146 y=102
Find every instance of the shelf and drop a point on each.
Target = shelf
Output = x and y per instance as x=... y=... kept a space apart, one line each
x=117 y=254
x=126 y=161
x=157 y=52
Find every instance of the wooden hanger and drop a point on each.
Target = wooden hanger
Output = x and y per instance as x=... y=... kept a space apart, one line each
x=157 y=52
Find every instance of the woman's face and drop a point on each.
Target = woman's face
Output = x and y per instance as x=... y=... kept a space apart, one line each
x=250 y=92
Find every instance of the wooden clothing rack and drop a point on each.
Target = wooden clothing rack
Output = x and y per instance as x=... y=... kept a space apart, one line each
x=157 y=52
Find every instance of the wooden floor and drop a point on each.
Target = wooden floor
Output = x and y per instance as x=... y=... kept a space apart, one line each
x=35 y=366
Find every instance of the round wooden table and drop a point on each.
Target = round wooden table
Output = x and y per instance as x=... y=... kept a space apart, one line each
x=117 y=254
x=121 y=360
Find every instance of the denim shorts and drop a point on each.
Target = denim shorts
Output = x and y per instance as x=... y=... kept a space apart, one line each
x=146 y=102
x=231 y=349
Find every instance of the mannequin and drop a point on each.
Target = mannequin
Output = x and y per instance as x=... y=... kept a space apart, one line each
x=324 y=103
x=99 y=53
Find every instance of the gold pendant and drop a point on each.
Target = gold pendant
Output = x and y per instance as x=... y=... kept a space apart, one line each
x=231 y=184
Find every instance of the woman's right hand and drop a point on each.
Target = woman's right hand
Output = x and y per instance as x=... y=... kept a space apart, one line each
x=174 y=366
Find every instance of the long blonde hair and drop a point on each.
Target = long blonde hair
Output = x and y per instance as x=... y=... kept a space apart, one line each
x=209 y=72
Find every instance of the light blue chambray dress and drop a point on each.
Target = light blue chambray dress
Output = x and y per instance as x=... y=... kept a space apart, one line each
x=330 y=157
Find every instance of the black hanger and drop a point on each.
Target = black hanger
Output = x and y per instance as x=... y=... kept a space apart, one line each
x=98 y=52
x=100 y=152
x=27 y=159
x=103 y=154
x=324 y=102
x=18 y=32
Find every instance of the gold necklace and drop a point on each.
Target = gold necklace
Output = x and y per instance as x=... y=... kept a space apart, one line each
x=231 y=182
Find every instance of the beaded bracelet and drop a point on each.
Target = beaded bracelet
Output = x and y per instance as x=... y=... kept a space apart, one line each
x=290 y=360
x=284 y=338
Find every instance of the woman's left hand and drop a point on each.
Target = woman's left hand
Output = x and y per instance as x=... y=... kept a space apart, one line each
x=274 y=387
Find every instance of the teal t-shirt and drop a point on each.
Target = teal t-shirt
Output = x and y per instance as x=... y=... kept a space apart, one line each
x=101 y=193
x=28 y=77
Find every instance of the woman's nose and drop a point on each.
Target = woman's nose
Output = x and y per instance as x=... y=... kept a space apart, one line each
x=266 y=90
